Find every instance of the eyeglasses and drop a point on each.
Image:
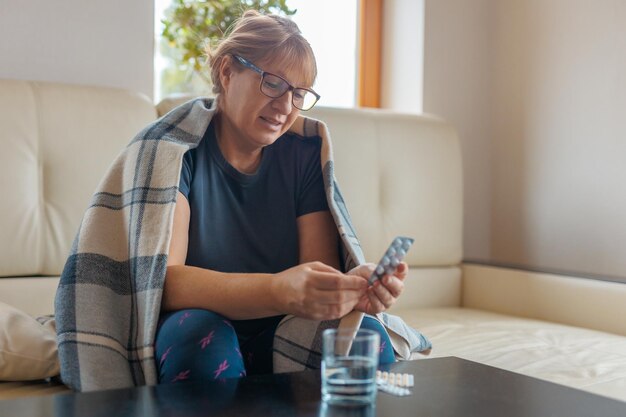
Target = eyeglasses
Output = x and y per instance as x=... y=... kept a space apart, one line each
x=275 y=86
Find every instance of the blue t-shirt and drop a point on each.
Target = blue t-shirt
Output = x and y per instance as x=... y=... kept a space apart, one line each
x=247 y=223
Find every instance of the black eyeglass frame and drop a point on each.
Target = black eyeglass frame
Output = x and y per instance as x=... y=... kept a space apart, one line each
x=290 y=87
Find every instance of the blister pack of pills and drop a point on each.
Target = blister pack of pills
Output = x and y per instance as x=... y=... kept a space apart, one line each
x=392 y=258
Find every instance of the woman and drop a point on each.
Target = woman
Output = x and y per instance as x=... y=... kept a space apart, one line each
x=252 y=238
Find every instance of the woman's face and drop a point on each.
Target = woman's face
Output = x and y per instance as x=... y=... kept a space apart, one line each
x=257 y=120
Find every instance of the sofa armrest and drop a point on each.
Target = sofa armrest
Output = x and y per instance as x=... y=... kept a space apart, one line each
x=588 y=303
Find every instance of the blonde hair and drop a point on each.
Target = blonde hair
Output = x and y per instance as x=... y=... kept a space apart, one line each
x=260 y=38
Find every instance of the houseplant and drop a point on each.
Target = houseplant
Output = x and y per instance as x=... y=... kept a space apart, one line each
x=188 y=25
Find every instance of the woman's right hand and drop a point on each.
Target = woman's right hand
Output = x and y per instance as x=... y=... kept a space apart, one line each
x=317 y=291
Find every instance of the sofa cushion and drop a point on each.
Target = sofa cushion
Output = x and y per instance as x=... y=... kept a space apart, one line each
x=589 y=360
x=28 y=350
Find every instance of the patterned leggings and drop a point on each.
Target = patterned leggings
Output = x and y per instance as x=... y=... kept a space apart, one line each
x=197 y=345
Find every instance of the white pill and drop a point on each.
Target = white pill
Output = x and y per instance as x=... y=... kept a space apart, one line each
x=405 y=380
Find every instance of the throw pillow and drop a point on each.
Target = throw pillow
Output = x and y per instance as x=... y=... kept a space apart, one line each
x=28 y=349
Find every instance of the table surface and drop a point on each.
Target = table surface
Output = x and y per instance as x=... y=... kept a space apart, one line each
x=443 y=387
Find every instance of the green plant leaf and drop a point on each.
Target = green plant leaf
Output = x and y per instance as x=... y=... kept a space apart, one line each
x=189 y=24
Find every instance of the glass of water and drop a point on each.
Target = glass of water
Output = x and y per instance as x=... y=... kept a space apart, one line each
x=349 y=363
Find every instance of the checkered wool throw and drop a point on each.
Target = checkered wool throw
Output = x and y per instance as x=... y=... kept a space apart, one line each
x=108 y=301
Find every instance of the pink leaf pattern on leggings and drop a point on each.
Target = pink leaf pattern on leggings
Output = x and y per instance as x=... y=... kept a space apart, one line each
x=382 y=346
x=182 y=375
x=183 y=318
x=207 y=339
x=163 y=356
x=223 y=366
x=229 y=324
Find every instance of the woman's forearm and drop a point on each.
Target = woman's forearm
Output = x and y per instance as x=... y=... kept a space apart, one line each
x=235 y=296
x=311 y=290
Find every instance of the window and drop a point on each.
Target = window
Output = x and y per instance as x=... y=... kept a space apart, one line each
x=329 y=25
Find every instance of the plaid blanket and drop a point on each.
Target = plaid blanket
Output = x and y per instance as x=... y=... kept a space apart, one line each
x=108 y=300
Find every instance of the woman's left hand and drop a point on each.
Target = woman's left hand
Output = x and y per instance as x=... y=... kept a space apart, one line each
x=380 y=296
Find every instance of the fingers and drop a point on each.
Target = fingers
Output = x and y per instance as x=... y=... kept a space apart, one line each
x=402 y=270
x=383 y=294
x=376 y=305
x=338 y=297
x=321 y=266
x=363 y=270
x=328 y=294
x=393 y=284
x=337 y=281
x=330 y=305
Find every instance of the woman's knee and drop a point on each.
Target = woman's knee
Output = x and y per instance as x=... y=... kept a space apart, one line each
x=197 y=344
x=387 y=354
x=187 y=324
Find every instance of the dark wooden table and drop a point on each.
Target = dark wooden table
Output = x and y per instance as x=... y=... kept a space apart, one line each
x=443 y=387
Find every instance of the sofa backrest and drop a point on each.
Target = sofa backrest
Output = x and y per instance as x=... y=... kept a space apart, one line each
x=400 y=174
x=57 y=141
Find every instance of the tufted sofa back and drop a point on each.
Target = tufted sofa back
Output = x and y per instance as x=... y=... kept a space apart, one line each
x=56 y=142
x=400 y=175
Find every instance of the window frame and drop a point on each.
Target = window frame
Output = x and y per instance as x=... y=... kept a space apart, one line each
x=369 y=64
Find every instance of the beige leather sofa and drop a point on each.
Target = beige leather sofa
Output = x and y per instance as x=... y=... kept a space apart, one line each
x=402 y=175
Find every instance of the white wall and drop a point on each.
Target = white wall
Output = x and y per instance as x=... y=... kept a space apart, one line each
x=90 y=42
x=537 y=90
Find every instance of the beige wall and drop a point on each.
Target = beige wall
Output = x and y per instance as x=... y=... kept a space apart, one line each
x=402 y=58
x=457 y=81
x=106 y=43
x=537 y=89
x=559 y=131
